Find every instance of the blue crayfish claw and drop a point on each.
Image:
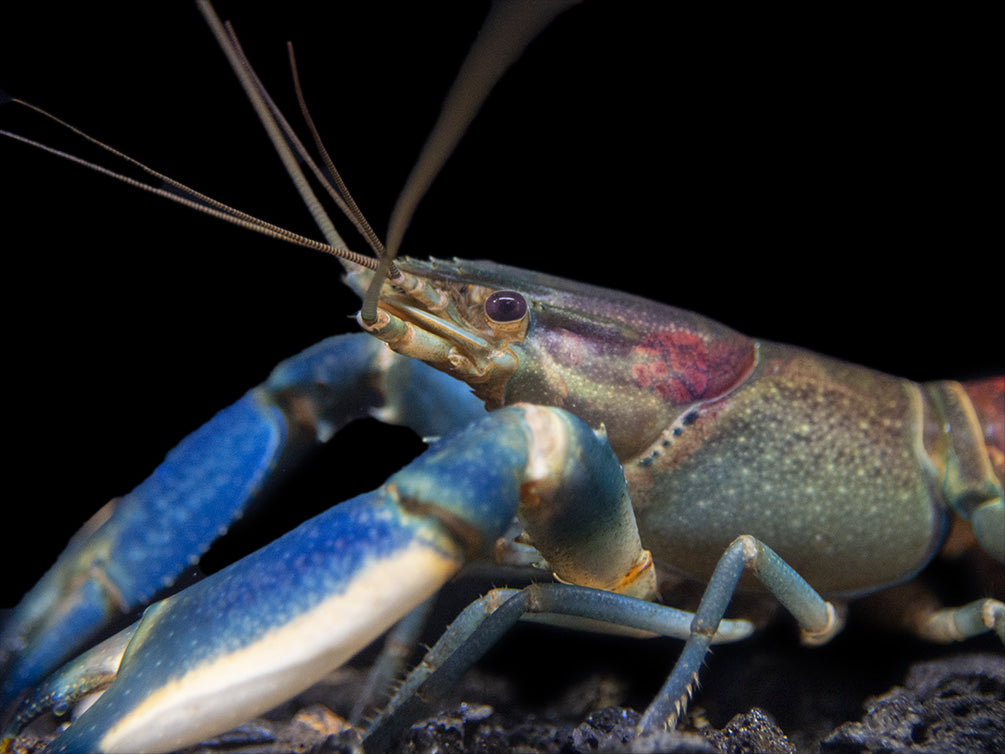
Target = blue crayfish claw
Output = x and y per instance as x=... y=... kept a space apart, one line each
x=260 y=631
x=137 y=546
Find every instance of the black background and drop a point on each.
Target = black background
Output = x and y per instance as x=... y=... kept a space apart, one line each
x=818 y=179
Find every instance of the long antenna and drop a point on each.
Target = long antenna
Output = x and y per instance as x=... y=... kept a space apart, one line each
x=511 y=25
x=176 y=191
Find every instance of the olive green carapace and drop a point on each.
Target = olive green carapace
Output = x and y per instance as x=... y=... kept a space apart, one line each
x=817 y=457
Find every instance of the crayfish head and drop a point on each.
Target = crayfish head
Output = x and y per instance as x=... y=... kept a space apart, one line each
x=615 y=360
x=456 y=321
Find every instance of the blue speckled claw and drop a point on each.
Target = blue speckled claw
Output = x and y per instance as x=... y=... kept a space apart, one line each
x=138 y=544
x=241 y=641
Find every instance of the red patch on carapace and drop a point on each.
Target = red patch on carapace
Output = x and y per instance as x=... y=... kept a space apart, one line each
x=681 y=368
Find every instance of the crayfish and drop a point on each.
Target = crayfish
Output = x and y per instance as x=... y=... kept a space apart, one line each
x=627 y=444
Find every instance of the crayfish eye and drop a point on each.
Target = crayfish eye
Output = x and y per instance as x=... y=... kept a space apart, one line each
x=503 y=307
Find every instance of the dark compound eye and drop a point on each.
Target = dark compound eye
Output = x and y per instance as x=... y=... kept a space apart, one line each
x=505 y=306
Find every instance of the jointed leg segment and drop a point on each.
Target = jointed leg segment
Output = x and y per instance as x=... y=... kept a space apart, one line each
x=817 y=619
x=959 y=623
x=483 y=622
x=486 y=620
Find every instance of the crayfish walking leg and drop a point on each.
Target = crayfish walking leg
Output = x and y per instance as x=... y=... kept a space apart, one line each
x=485 y=620
x=818 y=619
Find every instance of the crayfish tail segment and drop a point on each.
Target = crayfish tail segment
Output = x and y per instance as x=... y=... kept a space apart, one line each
x=965 y=443
x=988 y=399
